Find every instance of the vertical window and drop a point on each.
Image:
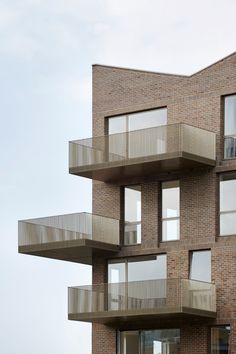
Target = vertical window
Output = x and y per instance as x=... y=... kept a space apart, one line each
x=200 y=265
x=129 y=342
x=170 y=210
x=230 y=126
x=132 y=227
x=116 y=272
x=228 y=205
x=220 y=336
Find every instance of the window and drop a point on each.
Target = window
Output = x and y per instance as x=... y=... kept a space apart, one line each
x=123 y=275
x=228 y=205
x=230 y=126
x=132 y=227
x=140 y=141
x=136 y=121
x=161 y=341
x=220 y=336
x=137 y=269
x=170 y=210
x=200 y=265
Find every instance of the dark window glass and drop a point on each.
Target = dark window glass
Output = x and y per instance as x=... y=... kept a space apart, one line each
x=220 y=340
x=161 y=341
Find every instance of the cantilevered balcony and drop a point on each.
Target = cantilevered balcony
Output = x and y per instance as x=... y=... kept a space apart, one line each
x=141 y=153
x=72 y=237
x=119 y=303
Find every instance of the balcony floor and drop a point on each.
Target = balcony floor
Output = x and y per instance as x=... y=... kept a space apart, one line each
x=79 y=251
x=123 y=318
x=119 y=171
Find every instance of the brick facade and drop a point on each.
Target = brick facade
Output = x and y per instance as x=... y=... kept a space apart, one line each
x=195 y=100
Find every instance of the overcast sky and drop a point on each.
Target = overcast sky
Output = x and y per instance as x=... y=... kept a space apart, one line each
x=46 y=51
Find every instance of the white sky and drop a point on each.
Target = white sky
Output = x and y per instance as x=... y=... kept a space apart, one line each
x=46 y=51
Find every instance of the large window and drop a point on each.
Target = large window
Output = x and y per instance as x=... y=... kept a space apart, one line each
x=123 y=275
x=220 y=336
x=161 y=341
x=132 y=227
x=200 y=265
x=228 y=205
x=170 y=210
x=230 y=126
x=136 y=138
x=137 y=269
x=136 y=121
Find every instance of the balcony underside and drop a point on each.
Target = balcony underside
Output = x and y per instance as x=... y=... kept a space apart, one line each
x=118 y=171
x=79 y=251
x=123 y=318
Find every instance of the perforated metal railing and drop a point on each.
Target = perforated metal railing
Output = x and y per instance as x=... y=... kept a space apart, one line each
x=68 y=227
x=143 y=144
x=148 y=296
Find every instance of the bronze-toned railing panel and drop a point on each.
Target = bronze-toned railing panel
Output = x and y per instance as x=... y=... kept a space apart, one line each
x=142 y=144
x=67 y=228
x=134 y=298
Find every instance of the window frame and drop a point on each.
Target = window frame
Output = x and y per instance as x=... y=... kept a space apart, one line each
x=190 y=263
x=127 y=115
x=140 y=331
x=227 y=176
x=209 y=336
x=165 y=219
x=124 y=220
x=126 y=261
x=225 y=137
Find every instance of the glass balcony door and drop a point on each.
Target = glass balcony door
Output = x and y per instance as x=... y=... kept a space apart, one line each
x=164 y=341
x=125 y=288
x=133 y=143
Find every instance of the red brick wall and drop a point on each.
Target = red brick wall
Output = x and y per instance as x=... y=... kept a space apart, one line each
x=194 y=100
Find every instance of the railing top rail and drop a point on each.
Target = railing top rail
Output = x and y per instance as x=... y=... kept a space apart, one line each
x=177 y=280
x=80 y=141
x=34 y=220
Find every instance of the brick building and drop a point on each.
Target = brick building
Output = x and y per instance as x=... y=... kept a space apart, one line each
x=161 y=238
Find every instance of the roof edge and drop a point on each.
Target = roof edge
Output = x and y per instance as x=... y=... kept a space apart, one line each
x=163 y=73
x=216 y=62
x=138 y=70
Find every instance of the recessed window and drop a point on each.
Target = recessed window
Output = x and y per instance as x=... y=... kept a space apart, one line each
x=137 y=134
x=230 y=126
x=127 y=276
x=137 y=121
x=170 y=210
x=228 y=205
x=200 y=265
x=161 y=341
x=220 y=336
x=132 y=225
x=137 y=269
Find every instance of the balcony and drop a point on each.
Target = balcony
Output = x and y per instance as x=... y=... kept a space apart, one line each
x=142 y=153
x=123 y=303
x=72 y=237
